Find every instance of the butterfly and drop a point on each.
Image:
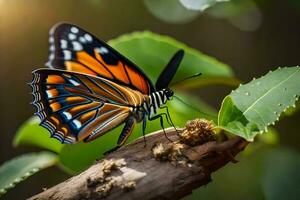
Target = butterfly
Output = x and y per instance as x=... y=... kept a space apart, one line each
x=90 y=88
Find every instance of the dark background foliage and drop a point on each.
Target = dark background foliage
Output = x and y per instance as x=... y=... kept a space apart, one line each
x=24 y=26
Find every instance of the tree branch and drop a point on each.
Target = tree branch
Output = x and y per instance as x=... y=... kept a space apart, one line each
x=161 y=170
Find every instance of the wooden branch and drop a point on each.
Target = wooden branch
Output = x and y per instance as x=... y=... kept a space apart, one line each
x=161 y=170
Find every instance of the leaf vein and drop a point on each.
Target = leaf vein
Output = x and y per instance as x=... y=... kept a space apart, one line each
x=260 y=98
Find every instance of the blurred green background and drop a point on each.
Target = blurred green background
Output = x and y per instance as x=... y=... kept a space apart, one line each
x=252 y=44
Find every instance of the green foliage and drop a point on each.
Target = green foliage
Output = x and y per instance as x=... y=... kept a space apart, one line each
x=199 y=5
x=243 y=14
x=264 y=99
x=247 y=111
x=232 y=120
x=238 y=114
x=234 y=182
x=253 y=107
x=152 y=52
x=281 y=175
x=177 y=14
x=270 y=138
x=31 y=133
x=233 y=8
x=272 y=173
x=20 y=168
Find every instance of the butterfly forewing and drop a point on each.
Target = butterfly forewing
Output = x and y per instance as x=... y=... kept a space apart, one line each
x=75 y=107
x=73 y=49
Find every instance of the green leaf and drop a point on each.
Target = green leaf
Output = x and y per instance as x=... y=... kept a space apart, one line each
x=177 y=14
x=152 y=52
x=253 y=107
x=31 y=133
x=281 y=175
x=232 y=120
x=229 y=113
x=199 y=5
x=264 y=99
x=243 y=14
x=20 y=168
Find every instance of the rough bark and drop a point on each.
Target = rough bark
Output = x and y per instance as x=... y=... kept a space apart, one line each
x=134 y=172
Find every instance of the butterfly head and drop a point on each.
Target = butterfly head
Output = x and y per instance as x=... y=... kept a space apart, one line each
x=169 y=93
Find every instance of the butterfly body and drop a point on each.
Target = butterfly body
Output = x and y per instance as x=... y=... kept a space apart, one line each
x=90 y=89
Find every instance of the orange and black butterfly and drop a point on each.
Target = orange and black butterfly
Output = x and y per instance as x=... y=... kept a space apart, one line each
x=90 y=88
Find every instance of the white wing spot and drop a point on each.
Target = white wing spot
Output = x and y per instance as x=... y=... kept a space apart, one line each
x=77 y=123
x=48 y=64
x=74 y=29
x=102 y=50
x=88 y=37
x=63 y=44
x=51 y=56
x=77 y=46
x=67 y=54
x=51 y=39
x=52 y=48
x=75 y=83
x=67 y=114
x=71 y=36
x=82 y=39
x=49 y=94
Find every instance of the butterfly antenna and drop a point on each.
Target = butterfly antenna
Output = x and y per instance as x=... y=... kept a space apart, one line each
x=192 y=107
x=186 y=78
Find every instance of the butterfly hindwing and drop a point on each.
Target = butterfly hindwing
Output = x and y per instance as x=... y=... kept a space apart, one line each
x=75 y=107
x=74 y=49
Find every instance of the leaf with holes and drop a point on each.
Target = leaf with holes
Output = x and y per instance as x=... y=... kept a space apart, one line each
x=253 y=107
x=20 y=168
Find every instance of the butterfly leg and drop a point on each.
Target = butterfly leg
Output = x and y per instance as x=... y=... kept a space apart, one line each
x=127 y=130
x=144 y=129
x=169 y=119
x=160 y=117
x=168 y=116
x=111 y=150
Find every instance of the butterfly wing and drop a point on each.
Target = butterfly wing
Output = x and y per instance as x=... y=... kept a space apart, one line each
x=75 y=106
x=74 y=49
